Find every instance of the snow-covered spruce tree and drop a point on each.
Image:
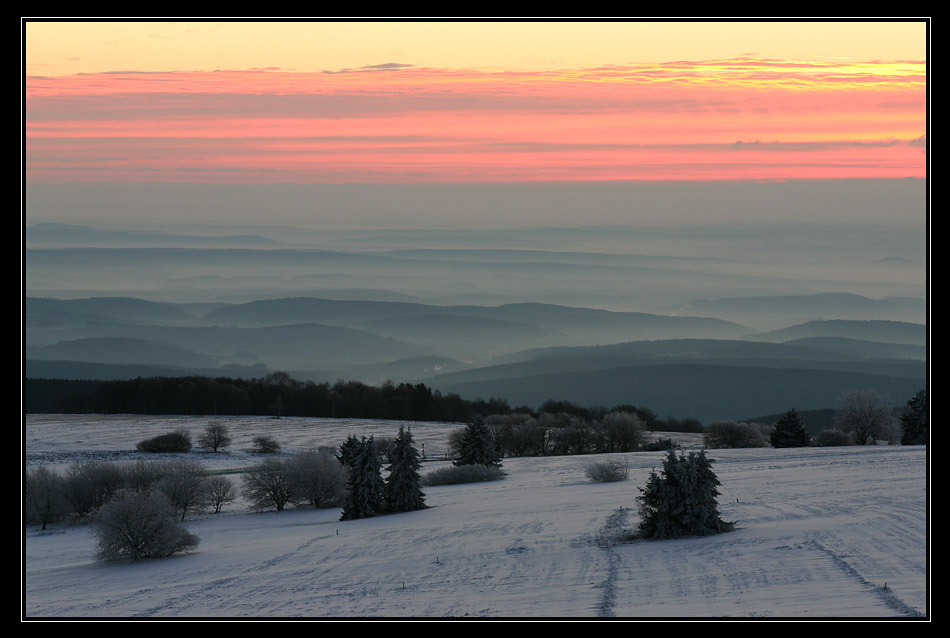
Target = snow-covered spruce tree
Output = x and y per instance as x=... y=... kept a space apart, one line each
x=914 y=421
x=364 y=495
x=681 y=501
x=402 y=491
x=789 y=431
x=349 y=450
x=477 y=445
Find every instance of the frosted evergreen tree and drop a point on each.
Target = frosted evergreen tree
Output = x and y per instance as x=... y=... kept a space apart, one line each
x=350 y=449
x=914 y=421
x=789 y=431
x=477 y=446
x=681 y=501
x=402 y=491
x=364 y=497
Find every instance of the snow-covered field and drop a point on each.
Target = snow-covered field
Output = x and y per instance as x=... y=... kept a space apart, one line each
x=821 y=532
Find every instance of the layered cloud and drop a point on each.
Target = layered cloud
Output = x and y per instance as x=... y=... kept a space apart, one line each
x=745 y=118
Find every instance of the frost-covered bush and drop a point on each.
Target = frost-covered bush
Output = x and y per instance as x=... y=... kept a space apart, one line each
x=833 y=437
x=266 y=445
x=608 y=471
x=134 y=526
x=172 y=442
x=660 y=445
x=463 y=474
x=317 y=478
x=730 y=434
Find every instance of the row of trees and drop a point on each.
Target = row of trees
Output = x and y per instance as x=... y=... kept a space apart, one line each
x=862 y=418
x=560 y=433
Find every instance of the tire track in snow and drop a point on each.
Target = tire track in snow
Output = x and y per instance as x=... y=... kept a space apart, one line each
x=608 y=536
x=887 y=596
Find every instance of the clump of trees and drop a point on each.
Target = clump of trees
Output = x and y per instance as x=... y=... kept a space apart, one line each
x=681 y=499
x=789 y=431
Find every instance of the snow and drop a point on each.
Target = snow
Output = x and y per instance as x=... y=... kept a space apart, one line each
x=820 y=531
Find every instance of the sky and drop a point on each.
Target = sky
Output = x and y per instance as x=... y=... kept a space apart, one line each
x=403 y=103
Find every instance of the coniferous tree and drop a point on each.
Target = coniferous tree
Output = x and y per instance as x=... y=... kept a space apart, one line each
x=349 y=450
x=681 y=501
x=789 y=431
x=364 y=497
x=402 y=491
x=477 y=446
x=914 y=421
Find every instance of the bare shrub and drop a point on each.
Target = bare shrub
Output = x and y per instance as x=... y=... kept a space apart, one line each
x=458 y=474
x=90 y=485
x=608 y=471
x=172 y=442
x=219 y=491
x=215 y=436
x=266 y=444
x=317 y=478
x=133 y=526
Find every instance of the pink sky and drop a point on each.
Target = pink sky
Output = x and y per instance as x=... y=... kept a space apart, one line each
x=732 y=119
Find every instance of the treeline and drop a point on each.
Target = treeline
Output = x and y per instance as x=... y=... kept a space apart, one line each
x=278 y=394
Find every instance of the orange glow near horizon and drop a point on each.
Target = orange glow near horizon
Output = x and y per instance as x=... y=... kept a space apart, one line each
x=725 y=119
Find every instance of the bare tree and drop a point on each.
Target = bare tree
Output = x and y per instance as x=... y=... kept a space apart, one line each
x=183 y=484
x=44 y=500
x=215 y=436
x=219 y=492
x=268 y=485
x=866 y=415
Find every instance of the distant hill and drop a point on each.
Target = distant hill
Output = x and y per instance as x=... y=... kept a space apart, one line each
x=791 y=309
x=706 y=392
x=79 y=235
x=47 y=313
x=121 y=350
x=882 y=331
x=300 y=346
